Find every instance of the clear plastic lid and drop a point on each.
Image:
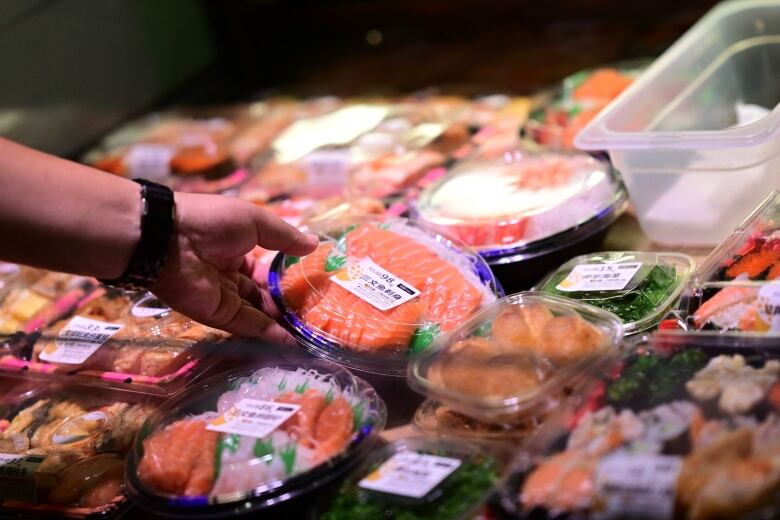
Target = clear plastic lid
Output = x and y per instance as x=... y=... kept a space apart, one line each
x=518 y=358
x=751 y=252
x=376 y=290
x=501 y=206
x=63 y=449
x=417 y=477
x=681 y=431
x=117 y=338
x=742 y=310
x=31 y=304
x=436 y=419
x=251 y=438
x=559 y=114
x=639 y=287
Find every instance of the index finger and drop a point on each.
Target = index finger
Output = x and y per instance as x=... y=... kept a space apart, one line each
x=276 y=234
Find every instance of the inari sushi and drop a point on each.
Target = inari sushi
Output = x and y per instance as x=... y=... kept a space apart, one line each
x=382 y=287
x=314 y=416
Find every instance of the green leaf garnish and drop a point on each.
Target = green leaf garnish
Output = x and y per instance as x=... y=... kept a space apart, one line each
x=291 y=260
x=423 y=337
x=334 y=263
x=288 y=457
x=264 y=448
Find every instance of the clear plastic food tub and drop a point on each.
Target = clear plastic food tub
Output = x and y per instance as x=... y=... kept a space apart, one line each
x=518 y=358
x=63 y=449
x=253 y=438
x=682 y=431
x=376 y=290
x=525 y=210
x=692 y=169
x=640 y=288
x=419 y=478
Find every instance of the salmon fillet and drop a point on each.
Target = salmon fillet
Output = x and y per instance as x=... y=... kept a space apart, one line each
x=446 y=298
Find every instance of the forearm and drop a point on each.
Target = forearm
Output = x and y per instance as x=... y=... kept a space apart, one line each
x=65 y=216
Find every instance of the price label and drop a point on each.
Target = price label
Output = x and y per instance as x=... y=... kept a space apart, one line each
x=375 y=285
x=410 y=474
x=149 y=307
x=253 y=418
x=768 y=305
x=638 y=485
x=150 y=161
x=17 y=476
x=9 y=269
x=599 y=277
x=78 y=340
x=328 y=168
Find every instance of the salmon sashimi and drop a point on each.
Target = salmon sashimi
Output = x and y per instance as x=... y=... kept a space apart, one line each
x=334 y=428
x=447 y=296
x=603 y=84
x=173 y=456
x=312 y=403
x=202 y=476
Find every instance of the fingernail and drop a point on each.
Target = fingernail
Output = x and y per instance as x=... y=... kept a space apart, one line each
x=313 y=239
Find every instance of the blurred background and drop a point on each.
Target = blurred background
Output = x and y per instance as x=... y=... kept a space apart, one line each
x=74 y=69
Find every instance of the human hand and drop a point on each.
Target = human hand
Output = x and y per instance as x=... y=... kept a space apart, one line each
x=209 y=275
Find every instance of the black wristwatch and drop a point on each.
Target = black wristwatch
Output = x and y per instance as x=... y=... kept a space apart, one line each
x=157 y=225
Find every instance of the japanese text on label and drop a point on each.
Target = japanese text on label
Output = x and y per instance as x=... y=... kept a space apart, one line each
x=410 y=474
x=253 y=418
x=375 y=285
x=599 y=277
x=638 y=485
x=78 y=340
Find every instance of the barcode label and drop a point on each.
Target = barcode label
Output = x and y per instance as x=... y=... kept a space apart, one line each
x=78 y=340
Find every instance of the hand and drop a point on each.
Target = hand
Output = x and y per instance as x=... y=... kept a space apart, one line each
x=209 y=275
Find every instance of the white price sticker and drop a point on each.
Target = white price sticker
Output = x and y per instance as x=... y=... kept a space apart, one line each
x=599 y=277
x=410 y=474
x=768 y=305
x=149 y=307
x=9 y=269
x=328 y=168
x=17 y=476
x=78 y=340
x=253 y=418
x=375 y=285
x=149 y=161
x=638 y=485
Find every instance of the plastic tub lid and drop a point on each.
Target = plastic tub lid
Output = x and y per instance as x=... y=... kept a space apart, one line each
x=251 y=438
x=418 y=477
x=751 y=252
x=502 y=206
x=437 y=419
x=638 y=287
x=670 y=436
x=63 y=448
x=518 y=358
x=376 y=289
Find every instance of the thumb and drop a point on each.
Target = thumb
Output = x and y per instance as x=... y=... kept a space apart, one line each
x=276 y=234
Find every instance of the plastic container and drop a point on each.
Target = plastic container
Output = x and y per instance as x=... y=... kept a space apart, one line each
x=751 y=251
x=35 y=302
x=558 y=114
x=678 y=135
x=435 y=283
x=640 y=288
x=518 y=359
x=63 y=449
x=417 y=477
x=681 y=432
x=245 y=429
x=563 y=206
x=115 y=338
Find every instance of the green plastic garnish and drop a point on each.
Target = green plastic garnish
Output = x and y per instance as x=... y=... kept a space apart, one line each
x=357 y=416
x=335 y=262
x=288 y=457
x=231 y=442
x=291 y=260
x=483 y=330
x=282 y=384
x=299 y=389
x=423 y=337
x=263 y=449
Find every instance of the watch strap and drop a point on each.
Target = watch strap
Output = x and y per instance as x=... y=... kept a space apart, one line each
x=157 y=227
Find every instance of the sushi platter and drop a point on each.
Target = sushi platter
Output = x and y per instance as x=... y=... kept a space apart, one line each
x=520 y=307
